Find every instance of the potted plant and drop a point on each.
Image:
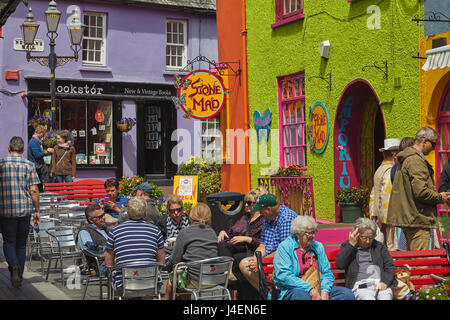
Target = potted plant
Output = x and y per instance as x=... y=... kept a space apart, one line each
x=39 y=120
x=126 y=124
x=353 y=203
x=208 y=172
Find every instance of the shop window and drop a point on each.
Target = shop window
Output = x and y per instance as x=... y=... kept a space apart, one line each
x=176 y=44
x=211 y=137
x=90 y=123
x=94 y=40
x=287 y=10
x=292 y=119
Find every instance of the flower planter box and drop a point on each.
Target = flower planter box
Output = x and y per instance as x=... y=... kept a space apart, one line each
x=350 y=212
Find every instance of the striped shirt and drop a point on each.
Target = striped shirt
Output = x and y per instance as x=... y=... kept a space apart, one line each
x=17 y=175
x=132 y=241
x=275 y=231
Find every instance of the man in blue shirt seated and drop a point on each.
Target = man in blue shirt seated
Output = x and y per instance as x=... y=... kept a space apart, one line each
x=113 y=201
x=94 y=236
x=276 y=227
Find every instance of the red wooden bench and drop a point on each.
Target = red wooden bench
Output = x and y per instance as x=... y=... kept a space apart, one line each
x=424 y=264
x=88 y=189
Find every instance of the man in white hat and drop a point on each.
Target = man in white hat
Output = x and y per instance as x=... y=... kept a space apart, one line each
x=381 y=191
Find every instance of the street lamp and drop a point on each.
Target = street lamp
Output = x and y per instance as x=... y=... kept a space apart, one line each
x=52 y=17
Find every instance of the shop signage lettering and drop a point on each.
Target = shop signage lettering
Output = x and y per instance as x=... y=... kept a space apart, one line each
x=345 y=118
x=202 y=94
x=73 y=89
x=319 y=127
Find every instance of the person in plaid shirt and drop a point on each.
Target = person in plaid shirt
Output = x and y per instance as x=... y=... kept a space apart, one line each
x=276 y=227
x=19 y=196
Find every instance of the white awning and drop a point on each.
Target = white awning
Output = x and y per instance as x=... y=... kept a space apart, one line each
x=438 y=58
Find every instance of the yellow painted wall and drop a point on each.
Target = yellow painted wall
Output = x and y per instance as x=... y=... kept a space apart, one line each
x=432 y=86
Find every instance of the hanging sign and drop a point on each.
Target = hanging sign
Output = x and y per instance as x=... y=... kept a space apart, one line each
x=201 y=94
x=47 y=114
x=262 y=124
x=318 y=129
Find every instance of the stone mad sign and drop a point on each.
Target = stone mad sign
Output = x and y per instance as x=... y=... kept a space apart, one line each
x=319 y=127
x=201 y=94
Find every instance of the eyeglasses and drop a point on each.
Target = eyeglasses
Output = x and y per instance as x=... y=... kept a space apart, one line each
x=363 y=238
x=99 y=217
x=310 y=234
x=433 y=144
x=175 y=210
x=249 y=203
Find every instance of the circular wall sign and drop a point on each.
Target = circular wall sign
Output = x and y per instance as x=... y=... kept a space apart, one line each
x=319 y=127
x=204 y=96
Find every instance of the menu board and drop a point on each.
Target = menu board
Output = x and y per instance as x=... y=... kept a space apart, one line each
x=153 y=128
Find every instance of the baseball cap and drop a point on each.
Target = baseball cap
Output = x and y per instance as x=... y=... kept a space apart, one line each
x=144 y=187
x=265 y=200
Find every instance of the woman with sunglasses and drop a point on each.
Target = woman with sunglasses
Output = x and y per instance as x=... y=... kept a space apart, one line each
x=241 y=240
x=175 y=220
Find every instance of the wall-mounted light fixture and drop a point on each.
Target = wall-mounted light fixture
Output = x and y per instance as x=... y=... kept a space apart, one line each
x=324 y=49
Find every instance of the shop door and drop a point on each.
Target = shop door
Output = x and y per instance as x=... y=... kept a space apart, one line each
x=159 y=121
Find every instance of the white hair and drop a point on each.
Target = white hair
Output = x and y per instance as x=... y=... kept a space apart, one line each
x=301 y=223
x=365 y=224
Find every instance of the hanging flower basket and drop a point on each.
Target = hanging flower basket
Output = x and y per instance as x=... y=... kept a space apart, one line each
x=39 y=120
x=126 y=124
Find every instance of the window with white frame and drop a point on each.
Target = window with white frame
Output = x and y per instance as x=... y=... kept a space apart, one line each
x=94 y=40
x=292 y=119
x=211 y=139
x=288 y=8
x=176 y=44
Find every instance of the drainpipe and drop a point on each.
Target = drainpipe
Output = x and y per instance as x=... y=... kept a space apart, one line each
x=245 y=89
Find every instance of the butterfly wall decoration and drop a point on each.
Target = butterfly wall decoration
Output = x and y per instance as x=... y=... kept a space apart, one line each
x=262 y=124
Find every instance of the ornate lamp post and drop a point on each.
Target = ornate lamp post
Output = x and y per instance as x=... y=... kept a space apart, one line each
x=29 y=31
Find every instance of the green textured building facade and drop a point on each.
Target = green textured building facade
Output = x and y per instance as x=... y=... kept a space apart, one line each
x=368 y=83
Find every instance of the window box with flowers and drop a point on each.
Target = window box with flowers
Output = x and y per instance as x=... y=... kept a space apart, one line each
x=292 y=187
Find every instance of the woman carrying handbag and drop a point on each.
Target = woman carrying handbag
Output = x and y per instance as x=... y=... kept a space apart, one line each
x=63 y=165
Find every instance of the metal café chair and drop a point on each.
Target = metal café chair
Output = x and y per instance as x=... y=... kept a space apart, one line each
x=63 y=246
x=212 y=282
x=139 y=279
x=91 y=261
x=39 y=243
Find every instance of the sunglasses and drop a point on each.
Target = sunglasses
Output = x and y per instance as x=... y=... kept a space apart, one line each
x=310 y=234
x=363 y=238
x=175 y=210
x=433 y=144
x=99 y=217
x=249 y=203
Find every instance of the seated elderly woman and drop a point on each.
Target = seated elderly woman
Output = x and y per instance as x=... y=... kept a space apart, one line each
x=369 y=268
x=196 y=242
x=175 y=220
x=133 y=240
x=295 y=256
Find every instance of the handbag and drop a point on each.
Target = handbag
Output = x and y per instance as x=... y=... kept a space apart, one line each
x=312 y=275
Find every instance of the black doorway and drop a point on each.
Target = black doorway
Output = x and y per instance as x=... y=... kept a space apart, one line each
x=156 y=122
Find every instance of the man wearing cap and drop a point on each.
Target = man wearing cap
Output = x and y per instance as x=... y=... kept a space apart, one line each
x=381 y=191
x=276 y=227
x=413 y=198
x=144 y=190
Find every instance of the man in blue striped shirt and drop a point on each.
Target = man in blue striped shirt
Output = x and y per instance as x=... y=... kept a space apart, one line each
x=19 y=193
x=276 y=227
x=134 y=240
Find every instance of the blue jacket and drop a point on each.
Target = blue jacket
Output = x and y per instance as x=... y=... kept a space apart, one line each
x=35 y=151
x=287 y=267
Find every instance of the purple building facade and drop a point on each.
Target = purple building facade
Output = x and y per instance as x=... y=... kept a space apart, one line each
x=126 y=68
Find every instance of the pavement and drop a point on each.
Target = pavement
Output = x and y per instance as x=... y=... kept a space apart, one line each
x=36 y=287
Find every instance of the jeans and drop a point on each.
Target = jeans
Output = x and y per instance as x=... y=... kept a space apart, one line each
x=64 y=178
x=15 y=234
x=336 y=293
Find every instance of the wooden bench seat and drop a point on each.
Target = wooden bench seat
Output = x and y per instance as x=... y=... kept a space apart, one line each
x=424 y=264
x=89 y=189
